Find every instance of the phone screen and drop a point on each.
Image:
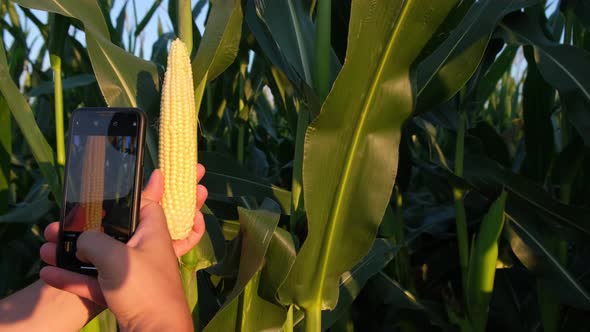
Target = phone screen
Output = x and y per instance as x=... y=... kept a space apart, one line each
x=100 y=176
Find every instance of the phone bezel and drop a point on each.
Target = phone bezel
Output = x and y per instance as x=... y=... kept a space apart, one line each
x=80 y=267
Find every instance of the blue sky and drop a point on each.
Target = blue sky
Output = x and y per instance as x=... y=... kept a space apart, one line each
x=149 y=35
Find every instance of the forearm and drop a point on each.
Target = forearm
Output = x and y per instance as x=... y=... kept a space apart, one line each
x=42 y=307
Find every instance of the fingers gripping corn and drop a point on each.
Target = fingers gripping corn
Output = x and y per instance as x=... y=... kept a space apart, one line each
x=178 y=142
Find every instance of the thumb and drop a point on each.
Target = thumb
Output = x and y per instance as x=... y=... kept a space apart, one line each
x=108 y=255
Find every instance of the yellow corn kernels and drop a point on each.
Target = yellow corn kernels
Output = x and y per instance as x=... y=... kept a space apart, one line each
x=92 y=189
x=178 y=142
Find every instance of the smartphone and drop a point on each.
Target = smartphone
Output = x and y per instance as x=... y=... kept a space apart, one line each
x=102 y=179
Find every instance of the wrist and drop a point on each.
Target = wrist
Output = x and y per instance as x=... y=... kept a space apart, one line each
x=167 y=318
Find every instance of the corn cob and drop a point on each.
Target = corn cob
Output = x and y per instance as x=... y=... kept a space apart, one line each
x=178 y=142
x=93 y=182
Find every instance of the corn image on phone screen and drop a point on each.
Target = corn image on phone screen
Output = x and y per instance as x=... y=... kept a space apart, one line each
x=100 y=176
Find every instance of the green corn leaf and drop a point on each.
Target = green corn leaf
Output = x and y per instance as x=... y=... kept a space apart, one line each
x=538 y=99
x=350 y=149
x=244 y=310
x=353 y=281
x=565 y=67
x=440 y=75
x=286 y=34
x=530 y=210
x=497 y=70
x=24 y=118
x=124 y=79
x=69 y=83
x=34 y=207
x=219 y=46
x=527 y=243
x=482 y=264
x=226 y=178
x=393 y=294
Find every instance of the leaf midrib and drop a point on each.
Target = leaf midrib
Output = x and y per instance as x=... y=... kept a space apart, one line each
x=128 y=92
x=335 y=212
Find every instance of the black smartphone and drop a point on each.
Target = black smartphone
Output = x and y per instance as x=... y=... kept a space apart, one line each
x=103 y=177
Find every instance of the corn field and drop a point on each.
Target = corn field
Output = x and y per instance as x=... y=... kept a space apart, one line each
x=372 y=165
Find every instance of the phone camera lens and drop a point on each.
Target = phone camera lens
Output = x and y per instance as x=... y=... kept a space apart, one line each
x=115 y=123
x=134 y=124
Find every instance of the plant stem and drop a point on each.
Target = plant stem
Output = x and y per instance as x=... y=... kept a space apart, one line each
x=59 y=26
x=461 y=222
x=313 y=318
x=185 y=23
x=188 y=274
x=55 y=61
x=322 y=49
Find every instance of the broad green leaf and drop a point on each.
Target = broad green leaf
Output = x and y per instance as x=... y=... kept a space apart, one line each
x=220 y=43
x=494 y=74
x=482 y=264
x=532 y=251
x=269 y=46
x=278 y=262
x=69 y=83
x=488 y=176
x=211 y=248
x=350 y=154
x=226 y=178
x=34 y=207
x=125 y=80
x=448 y=68
x=353 y=281
x=293 y=32
x=529 y=209
x=565 y=67
x=24 y=118
x=394 y=295
x=286 y=34
x=538 y=98
x=244 y=310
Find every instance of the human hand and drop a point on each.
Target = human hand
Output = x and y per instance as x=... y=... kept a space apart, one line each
x=137 y=280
